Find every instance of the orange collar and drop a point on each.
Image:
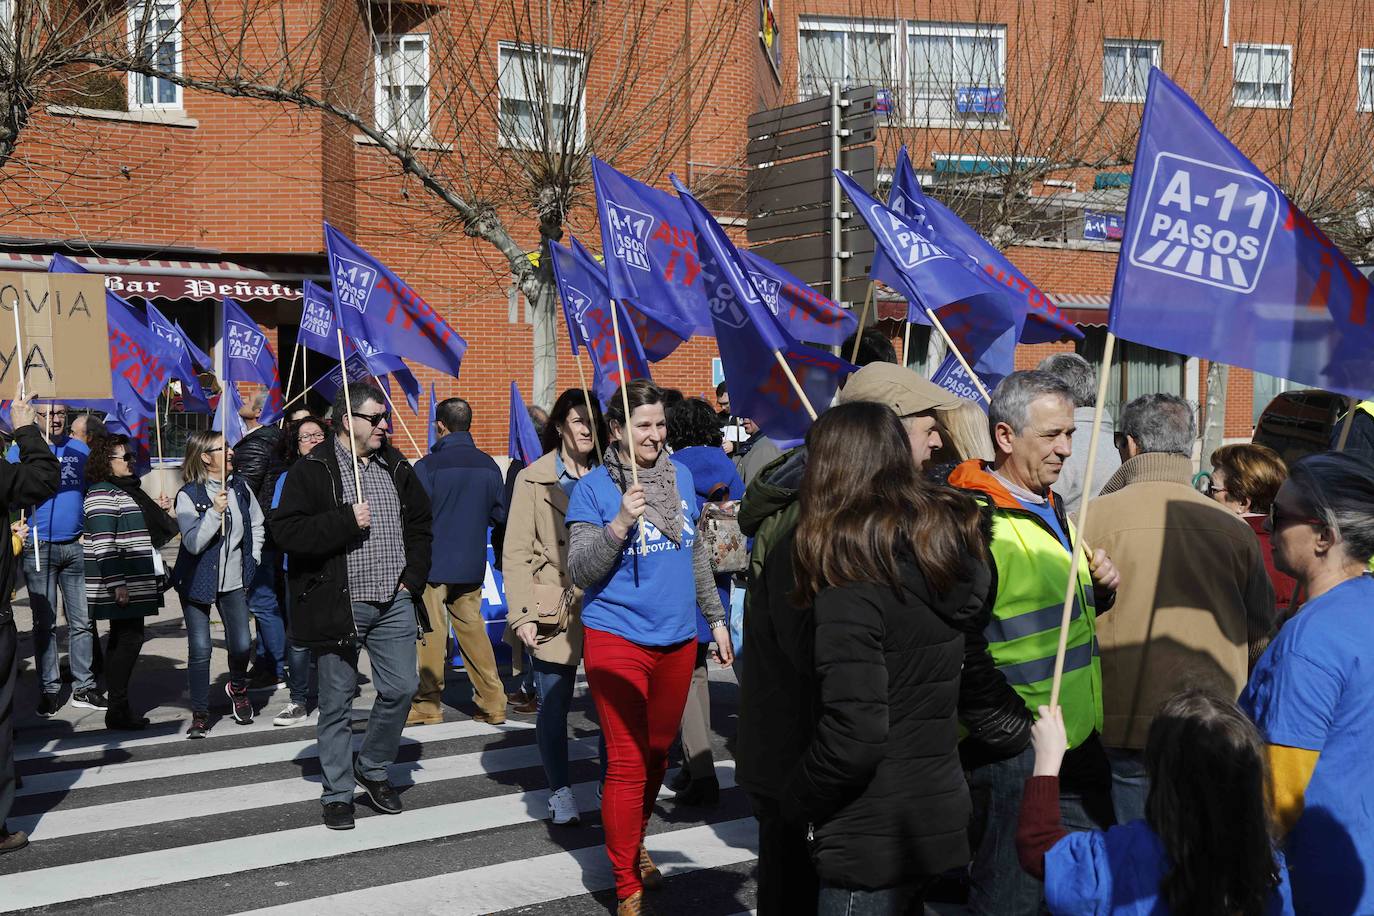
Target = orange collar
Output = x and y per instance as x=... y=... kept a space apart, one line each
x=974 y=476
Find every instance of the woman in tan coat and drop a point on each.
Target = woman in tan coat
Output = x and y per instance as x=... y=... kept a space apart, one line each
x=544 y=607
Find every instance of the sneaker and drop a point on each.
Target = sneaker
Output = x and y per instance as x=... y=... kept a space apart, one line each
x=291 y=714
x=263 y=679
x=384 y=798
x=13 y=842
x=200 y=725
x=243 y=710
x=563 y=808
x=89 y=699
x=49 y=703
x=338 y=815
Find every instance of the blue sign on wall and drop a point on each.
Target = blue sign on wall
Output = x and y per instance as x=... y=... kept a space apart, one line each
x=980 y=100
x=1101 y=227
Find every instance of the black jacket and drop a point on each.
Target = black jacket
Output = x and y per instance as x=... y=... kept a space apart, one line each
x=881 y=781
x=315 y=527
x=30 y=482
x=253 y=458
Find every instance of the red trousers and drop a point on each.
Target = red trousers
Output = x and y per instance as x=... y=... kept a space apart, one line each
x=639 y=692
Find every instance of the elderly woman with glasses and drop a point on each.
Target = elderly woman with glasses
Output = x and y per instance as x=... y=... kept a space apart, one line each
x=124 y=530
x=1312 y=692
x=1245 y=479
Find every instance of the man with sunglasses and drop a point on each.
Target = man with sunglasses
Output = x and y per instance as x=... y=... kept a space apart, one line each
x=356 y=576
x=1195 y=602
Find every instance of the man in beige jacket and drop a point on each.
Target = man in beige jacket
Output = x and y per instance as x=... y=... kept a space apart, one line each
x=1194 y=598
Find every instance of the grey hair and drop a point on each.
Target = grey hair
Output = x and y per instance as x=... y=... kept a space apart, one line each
x=1076 y=372
x=1338 y=488
x=1011 y=400
x=358 y=393
x=1160 y=423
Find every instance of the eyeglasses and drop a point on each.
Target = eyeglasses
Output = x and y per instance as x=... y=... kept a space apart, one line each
x=310 y=437
x=217 y=448
x=119 y=457
x=374 y=418
x=1212 y=491
x=1279 y=518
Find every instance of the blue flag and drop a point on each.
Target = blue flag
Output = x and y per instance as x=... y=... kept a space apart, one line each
x=318 y=332
x=248 y=357
x=799 y=309
x=587 y=308
x=1043 y=321
x=748 y=337
x=524 y=441
x=954 y=378
x=231 y=404
x=983 y=322
x=650 y=249
x=193 y=397
x=1216 y=262
x=390 y=315
x=433 y=406
x=658 y=334
x=199 y=358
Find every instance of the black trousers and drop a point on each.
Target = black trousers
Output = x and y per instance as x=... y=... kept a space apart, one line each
x=121 y=654
x=787 y=883
x=9 y=676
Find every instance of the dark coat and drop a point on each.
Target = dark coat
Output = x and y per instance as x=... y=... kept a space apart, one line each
x=881 y=781
x=33 y=480
x=468 y=495
x=253 y=458
x=314 y=525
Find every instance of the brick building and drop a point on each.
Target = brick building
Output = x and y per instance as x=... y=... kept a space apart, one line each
x=180 y=196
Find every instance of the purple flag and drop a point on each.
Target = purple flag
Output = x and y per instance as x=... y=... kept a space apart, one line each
x=199 y=358
x=748 y=336
x=433 y=405
x=230 y=404
x=318 y=333
x=193 y=397
x=658 y=334
x=1216 y=262
x=390 y=315
x=317 y=321
x=248 y=357
x=954 y=378
x=799 y=309
x=524 y=441
x=587 y=307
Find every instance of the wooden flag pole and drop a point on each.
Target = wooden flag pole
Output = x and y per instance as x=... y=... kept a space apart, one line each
x=23 y=372
x=625 y=405
x=796 y=386
x=906 y=345
x=1345 y=427
x=157 y=425
x=290 y=377
x=348 y=406
x=586 y=396
x=392 y=407
x=863 y=318
x=949 y=342
x=1070 y=591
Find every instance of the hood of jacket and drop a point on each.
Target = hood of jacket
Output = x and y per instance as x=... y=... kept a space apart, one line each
x=962 y=606
x=775 y=488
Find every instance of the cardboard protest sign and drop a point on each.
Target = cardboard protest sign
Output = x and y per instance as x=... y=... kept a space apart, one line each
x=65 y=334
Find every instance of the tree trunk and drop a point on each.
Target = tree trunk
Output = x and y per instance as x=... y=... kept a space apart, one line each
x=1215 y=429
x=544 y=311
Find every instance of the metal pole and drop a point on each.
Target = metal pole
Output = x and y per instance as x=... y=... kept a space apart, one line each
x=836 y=270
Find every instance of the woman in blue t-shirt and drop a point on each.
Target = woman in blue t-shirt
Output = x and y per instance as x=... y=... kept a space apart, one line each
x=633 y=550
x=1312 y=692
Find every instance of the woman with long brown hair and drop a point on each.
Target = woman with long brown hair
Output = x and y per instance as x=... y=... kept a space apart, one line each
x=893 y=568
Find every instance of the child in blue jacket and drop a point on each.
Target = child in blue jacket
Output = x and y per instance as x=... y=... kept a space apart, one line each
x=1205 y=844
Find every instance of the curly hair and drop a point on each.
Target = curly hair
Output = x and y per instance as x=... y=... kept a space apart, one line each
x=288 y=446
x=692 y=422
x=98 y=468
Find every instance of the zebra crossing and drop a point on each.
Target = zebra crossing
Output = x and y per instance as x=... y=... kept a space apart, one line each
x=152 y=823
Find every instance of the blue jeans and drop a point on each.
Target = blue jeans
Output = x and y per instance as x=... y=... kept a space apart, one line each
x=998 y=885
x=888 y=901
x=270 y=645
x=238 y=639
x=64 y=568
x=387 y=631
x=555 y=685
x=1130 y=785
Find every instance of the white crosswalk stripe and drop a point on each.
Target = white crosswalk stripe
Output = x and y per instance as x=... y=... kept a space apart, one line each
x=140 y=822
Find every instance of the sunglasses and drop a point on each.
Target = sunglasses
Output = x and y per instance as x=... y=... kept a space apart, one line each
x=374 y=418
x=1279 y=518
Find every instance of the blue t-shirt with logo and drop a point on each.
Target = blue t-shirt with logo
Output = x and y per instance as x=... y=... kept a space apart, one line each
x=650 y=597
x=61 y=517
x=1314 y=689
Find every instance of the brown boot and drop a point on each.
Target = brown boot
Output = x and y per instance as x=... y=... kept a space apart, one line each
x=632 y=905
x=648 y=871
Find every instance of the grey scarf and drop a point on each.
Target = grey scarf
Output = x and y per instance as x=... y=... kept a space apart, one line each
x=664 y=509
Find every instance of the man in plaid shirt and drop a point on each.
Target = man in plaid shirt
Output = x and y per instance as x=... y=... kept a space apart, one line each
x=355 y=576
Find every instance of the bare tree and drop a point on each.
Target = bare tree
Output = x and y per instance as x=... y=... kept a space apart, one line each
x=492 y=108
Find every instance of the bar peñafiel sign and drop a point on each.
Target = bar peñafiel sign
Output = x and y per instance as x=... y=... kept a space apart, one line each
x=65 y=333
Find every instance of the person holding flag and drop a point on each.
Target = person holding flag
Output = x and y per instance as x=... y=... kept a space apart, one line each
x=642 y=592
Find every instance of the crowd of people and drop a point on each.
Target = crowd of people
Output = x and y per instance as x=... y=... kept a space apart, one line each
x=901 y=600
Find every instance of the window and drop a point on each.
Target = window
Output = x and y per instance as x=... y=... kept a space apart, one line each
x=1364 y=73
x=402 y=103
x=1126 y=69
x=849 y=52
x=956 y=73
x=155 y=35
x=1264 y=76
x=536 y=83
